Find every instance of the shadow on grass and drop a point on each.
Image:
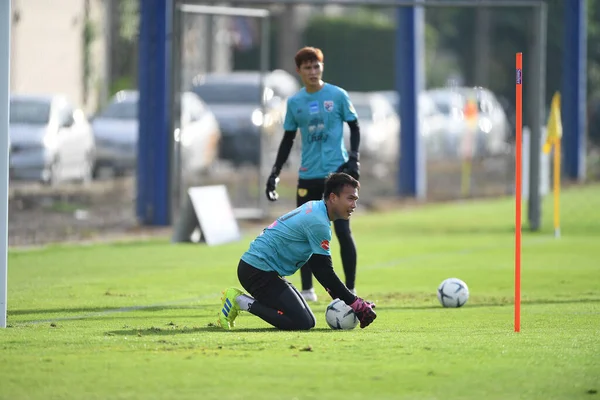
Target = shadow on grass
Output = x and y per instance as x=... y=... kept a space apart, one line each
x=211 y=328
x=73 y=314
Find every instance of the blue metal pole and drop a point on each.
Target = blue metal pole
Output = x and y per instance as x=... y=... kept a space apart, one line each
x=410 y=81
x=154 y=138
x=573 y=102
x=144 y=80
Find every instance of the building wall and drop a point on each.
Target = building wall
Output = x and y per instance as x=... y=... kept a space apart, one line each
x=47 y=49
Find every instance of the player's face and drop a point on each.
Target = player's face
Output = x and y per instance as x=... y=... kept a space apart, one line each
x=311 y=72
x=345 y=204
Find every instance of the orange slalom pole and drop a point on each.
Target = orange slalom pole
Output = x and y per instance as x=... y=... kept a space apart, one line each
x=518 y=187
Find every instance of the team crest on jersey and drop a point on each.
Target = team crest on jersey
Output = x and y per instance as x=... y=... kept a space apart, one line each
x=325 y=244
x=328 y=105
x=302 y=192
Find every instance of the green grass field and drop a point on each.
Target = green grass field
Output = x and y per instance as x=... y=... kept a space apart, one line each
x=135 y=320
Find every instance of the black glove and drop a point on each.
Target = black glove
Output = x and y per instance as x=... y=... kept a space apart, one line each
x=272 y=186
x=352 y=166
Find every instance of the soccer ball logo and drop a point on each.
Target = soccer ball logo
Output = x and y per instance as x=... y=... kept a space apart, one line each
x=453 y=292
x=339 y=315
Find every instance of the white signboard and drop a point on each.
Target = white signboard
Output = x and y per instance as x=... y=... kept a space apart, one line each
x=211 y=211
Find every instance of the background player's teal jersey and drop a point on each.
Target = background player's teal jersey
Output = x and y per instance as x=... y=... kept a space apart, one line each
x=320 y=117
x=286 y=244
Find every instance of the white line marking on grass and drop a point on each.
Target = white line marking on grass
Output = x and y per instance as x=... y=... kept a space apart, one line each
x=386 y=264
x=120 y=310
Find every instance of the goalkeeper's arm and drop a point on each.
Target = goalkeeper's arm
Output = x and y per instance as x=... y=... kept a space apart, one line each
x=285 y=147
x=322 y=268
x=354 y=135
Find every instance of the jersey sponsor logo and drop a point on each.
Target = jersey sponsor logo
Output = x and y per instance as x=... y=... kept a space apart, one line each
x=325 y=245
x=328 y=105
x=317 y=138
x=316 y=130
x=313 y=107
x=302 y=192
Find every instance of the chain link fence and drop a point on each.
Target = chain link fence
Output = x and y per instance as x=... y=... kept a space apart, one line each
x=466 y=114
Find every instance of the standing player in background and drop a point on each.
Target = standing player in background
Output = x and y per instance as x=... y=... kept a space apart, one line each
x=319 y=110
x=281 y=249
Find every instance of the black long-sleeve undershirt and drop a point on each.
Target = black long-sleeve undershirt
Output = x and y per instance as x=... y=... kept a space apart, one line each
x=354 y=135
x=322 y=268
x=285 y=147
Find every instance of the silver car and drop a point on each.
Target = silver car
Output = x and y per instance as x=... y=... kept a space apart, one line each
x=50 y=140
x=379 y=126
x=116 y=132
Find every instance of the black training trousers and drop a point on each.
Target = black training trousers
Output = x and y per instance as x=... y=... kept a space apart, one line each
x=277 y=301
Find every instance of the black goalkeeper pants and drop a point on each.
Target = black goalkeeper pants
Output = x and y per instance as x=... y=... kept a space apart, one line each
x=277 y=301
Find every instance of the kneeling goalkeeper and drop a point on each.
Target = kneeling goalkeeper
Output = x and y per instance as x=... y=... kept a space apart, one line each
x=298 y=237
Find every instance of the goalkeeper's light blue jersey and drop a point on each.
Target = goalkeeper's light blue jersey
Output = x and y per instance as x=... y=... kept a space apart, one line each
x=320 y=117
x=286 y=244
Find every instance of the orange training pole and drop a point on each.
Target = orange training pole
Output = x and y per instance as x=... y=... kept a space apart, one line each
x=518 y=189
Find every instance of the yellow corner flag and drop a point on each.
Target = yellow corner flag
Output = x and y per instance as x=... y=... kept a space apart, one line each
x=554 y=124
x=553 y=138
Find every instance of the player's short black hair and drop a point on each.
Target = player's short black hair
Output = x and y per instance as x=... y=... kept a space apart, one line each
x=336 y=181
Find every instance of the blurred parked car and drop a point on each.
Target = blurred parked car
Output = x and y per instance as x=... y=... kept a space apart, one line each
x=51 y=141
x=379 y=127
x=492 y=129
x=392 y=97
x=116 y=132
x=431 y=120
x=511 y=116
x=236 y=98
x=432 y=123
x=443 y=126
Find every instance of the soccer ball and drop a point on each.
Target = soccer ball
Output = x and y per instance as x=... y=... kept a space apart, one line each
x=339 y=315
x=453 y=292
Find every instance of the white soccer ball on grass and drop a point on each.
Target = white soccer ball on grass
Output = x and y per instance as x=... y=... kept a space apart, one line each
x=453 y=293
x=339 y=315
